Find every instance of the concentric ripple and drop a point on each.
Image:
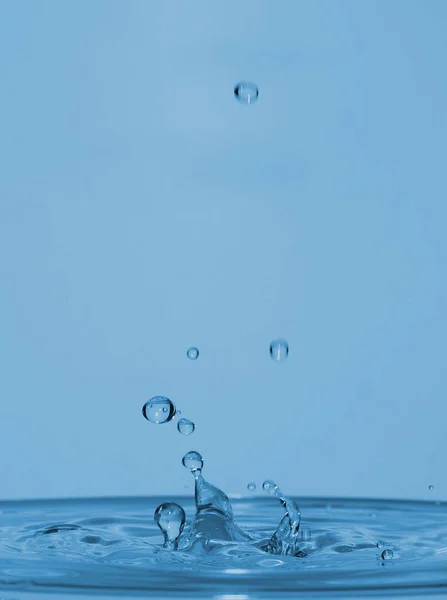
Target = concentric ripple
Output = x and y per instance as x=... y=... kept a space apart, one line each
x=114 y=546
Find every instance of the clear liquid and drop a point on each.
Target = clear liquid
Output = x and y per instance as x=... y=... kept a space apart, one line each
x=113 y=546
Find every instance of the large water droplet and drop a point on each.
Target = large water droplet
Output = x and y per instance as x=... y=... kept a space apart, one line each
x=431 y=487
x=192 y=353
x=170 y=517
x=158 y=410
x=251 y=487
x=246 y=93
x=193 y=460
x=186 y=426
x=279 y=350
x=387 y=554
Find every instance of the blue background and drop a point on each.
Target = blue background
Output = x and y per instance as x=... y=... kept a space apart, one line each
x=144 y=210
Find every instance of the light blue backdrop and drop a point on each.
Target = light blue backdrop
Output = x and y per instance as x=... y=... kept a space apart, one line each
x=143 y=210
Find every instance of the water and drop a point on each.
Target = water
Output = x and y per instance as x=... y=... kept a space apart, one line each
x=251 y=487
x=193 y=460
x=185 y=426
x=431 y=487
x=158 y=410
x=192 y=353
x=170 y=518
x=246 y=93
x=279 y=350
x=113 y=546
x=387 y=554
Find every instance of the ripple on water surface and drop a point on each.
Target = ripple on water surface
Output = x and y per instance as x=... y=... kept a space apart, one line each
x=114 y=545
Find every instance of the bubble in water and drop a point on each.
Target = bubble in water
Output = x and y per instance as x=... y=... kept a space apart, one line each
x=193 y=353
x=251 y=487
x=186 y=426
x=158 y=410
x=246 y=93
x=431 y=487
x=387 y=554
x=279 y=350
x=193 y=460
x=170 y=517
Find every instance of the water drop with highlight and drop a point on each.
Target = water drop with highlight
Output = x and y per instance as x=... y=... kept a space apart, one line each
x=193 y=460
x=246 y=93
x=185 y=426
x=279 y=350
x=170 y=517
x=192 y=353
x=158 y=410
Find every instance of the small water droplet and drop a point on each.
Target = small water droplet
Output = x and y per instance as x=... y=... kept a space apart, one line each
x=279 y=350
x=387 y=554
x=251 y=487
x=431 y=487
x=170 y=517
x=192 y=353
x=186 y=426
x=270 y=487
x=246 y=93
x=193 y=460
x=158 y=410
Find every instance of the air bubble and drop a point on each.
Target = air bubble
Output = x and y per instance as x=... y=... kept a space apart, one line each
x=246 y=93
x=192 y=353
x=193 y=461
x=158 y=410
x=251 y=487
x=279 y=350
x=387 y=554
x=185 y=426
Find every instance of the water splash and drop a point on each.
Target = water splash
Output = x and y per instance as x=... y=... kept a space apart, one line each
x=285 y=539
x=213 y=523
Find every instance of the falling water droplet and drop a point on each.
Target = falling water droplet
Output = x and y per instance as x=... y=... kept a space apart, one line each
x=193 y=460
x=170 y=517
x=246 y=93
x=251 y=487
x=158 y=410
x=431 y=487
x=186 y=426
x=279 y=350
x=387 y=554
x=192 y=353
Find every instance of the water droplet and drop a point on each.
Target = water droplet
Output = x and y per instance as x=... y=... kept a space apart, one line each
x=186 y=426
x=158 y=410
x=170 y=517
x=387 y=554
x=270 y=487
x=193 y=460
x=279 y=350
x=431 y=487
x=246 y=93
x=251 y=487
x=193 y=353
